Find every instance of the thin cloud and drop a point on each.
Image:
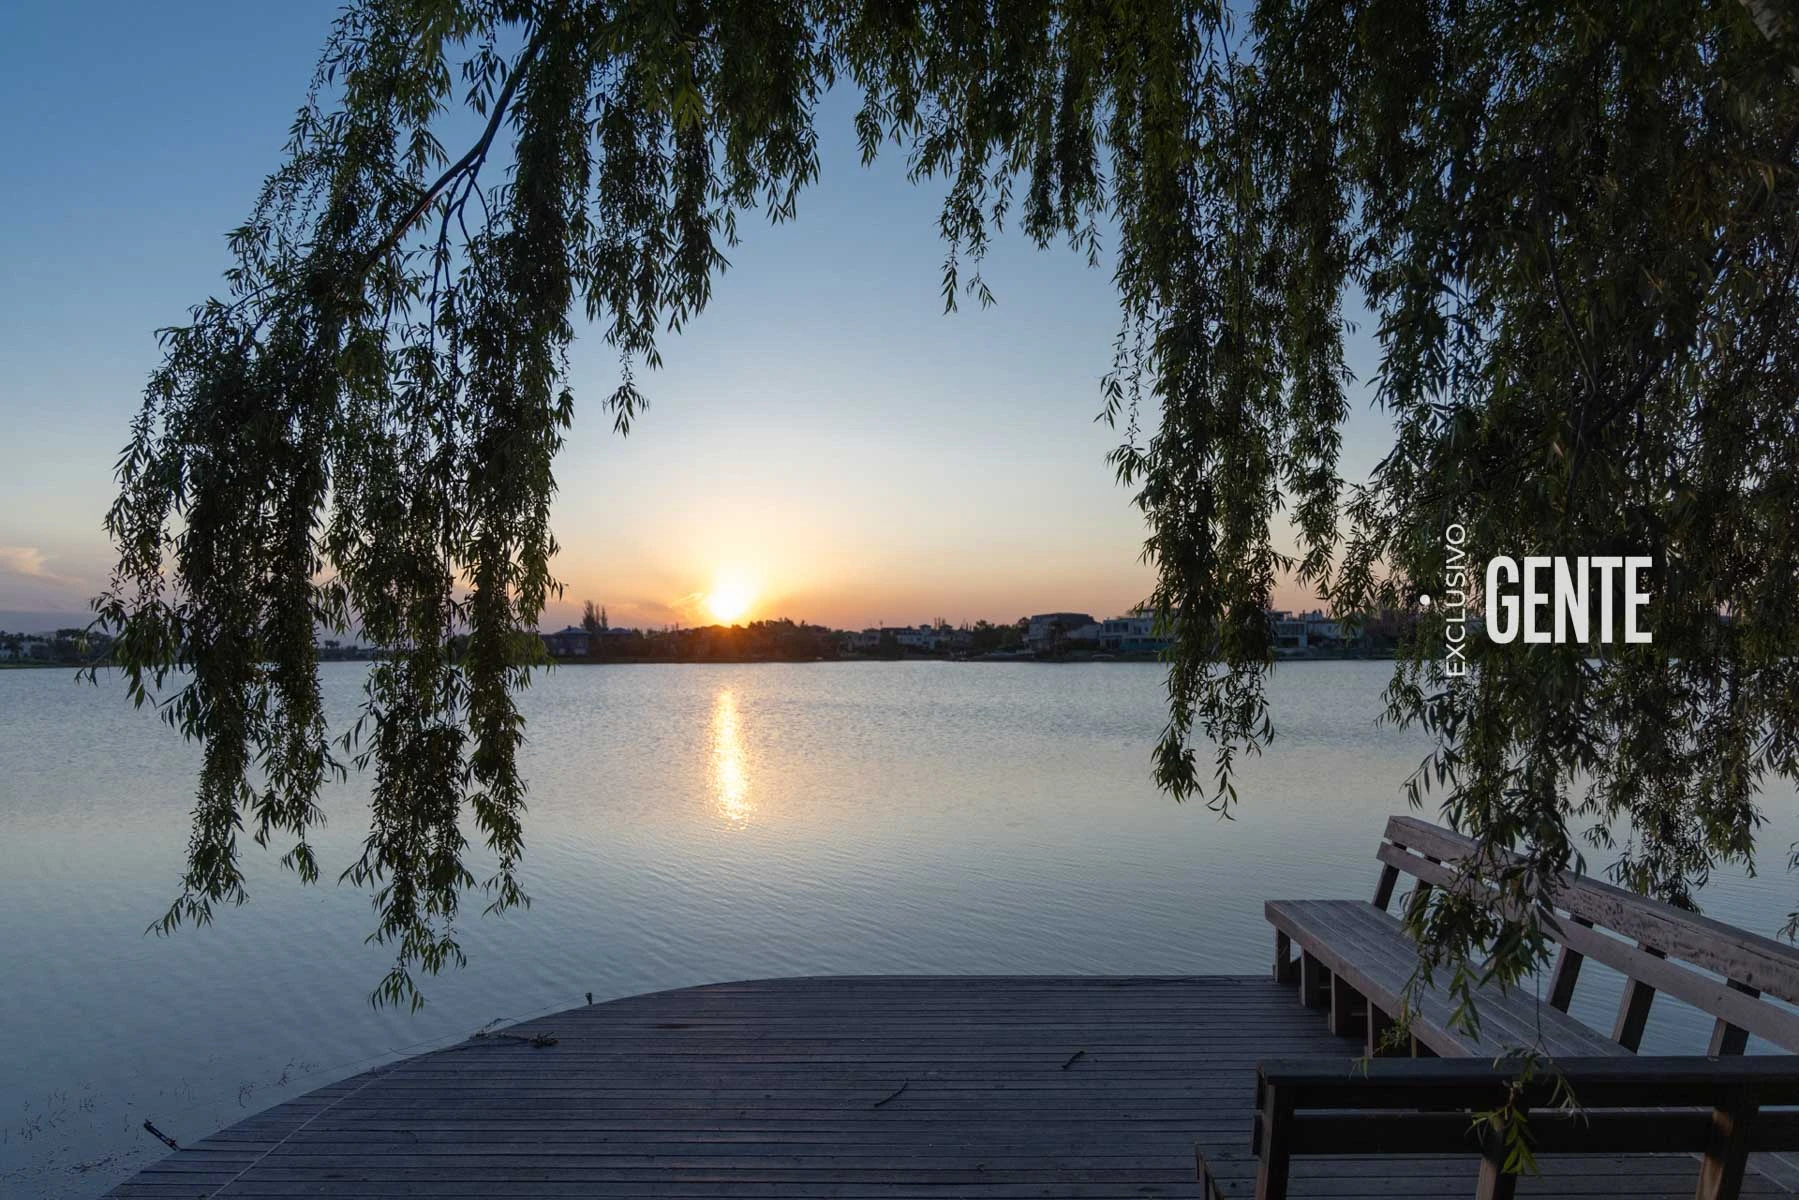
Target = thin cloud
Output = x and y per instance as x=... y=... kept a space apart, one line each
x=27 y=562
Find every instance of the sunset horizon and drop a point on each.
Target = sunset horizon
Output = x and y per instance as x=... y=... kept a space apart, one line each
x=823 y=425
x=815 y=599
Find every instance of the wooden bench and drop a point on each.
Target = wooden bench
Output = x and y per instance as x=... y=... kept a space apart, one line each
x=1355 y=959
x=1714 y=1107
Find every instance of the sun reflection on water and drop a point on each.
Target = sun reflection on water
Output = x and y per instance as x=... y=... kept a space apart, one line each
x=730 y=777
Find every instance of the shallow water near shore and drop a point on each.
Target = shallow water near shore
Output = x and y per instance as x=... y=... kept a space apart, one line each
x=688 y=824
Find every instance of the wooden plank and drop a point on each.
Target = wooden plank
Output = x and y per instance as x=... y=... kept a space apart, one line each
x=1761 y=962
x=1602 y=1082
x=1653 y=971
x=1074 y=1087
x=1777 y=1025
x=1619 y=1113
x=865 y=1089
x=1689 y=1130
x=1372 y=950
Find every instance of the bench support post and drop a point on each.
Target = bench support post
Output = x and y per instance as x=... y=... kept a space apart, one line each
x=1208 y=1186
x=1343 y=1004
x=1274 y=1123
x=1727 y=1153
x=1495 y=1183
x=1633 y=1008
x=1420 y=893
x=1383 y=888
x=1314 y=981
x=1567 y=972
x=1286 y=969
x=1379 y=1026
x=1728 y=1038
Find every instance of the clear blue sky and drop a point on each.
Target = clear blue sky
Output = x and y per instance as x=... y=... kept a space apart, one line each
x=824 y=431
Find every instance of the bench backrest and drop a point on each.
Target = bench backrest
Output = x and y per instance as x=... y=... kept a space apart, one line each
x=1657 y=946
x=1714 y=1107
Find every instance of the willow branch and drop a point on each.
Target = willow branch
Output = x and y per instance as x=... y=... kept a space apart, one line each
x=471 y=161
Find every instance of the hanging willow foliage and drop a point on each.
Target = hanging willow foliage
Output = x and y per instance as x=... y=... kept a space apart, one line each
x=1574 y=228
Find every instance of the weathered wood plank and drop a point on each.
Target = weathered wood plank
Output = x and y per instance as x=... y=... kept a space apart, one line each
x=1371 y=949
x=770 y=1090
x=1660 y=932
x=1758 y=961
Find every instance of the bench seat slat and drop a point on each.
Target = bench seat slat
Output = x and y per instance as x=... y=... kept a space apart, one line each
x=1371 y=949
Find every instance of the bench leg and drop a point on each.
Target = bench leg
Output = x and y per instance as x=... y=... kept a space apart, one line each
x=1727 y=1151
x=1633 y=1014
x=1208 y=1186
x=1567 y=972
x=1286 y=968
x=1344 y=1000
x=1379 y=1025
x=1314 y=981
x=1494 y=1183
x=1383 y=888
x=1271 y=1172
x=1728 y=1038
x=1633 y=1008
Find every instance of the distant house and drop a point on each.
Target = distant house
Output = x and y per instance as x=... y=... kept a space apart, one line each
x=903 y=636
x=570 y=642
x=1049 y=629
x=1288 y=632
x=1321 y=630
x=1133 y=633
x=1304 y=633
x=929 y=638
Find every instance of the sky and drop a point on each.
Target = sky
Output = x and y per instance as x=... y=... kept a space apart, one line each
x=824 y=437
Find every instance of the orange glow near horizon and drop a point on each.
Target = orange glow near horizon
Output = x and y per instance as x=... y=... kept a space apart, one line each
x=731 y=596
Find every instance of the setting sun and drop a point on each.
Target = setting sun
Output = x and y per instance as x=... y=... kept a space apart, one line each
x=730 y=597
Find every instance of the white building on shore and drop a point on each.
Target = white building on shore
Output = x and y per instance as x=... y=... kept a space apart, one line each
x=1132 y=633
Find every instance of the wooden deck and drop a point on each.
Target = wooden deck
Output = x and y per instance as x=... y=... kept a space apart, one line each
x=854 y=1087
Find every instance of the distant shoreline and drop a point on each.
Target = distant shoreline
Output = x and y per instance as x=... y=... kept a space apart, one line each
x=990 y=660
x=999 y=660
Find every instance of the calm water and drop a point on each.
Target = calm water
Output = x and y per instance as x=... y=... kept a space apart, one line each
x=688 y=824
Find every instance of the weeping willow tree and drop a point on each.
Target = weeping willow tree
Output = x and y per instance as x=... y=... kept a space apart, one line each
x=1572 y=225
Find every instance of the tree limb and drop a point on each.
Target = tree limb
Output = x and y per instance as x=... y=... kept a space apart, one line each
x=472 y=159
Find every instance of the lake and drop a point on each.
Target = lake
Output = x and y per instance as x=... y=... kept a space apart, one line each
x=688 y=824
